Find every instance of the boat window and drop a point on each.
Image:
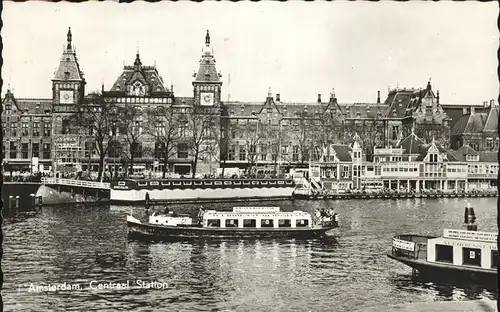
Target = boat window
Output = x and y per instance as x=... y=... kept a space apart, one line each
x=444 y=253
x=249 y=223
x=213 y=223
x=302 y=223
x=494 y=258
x=232 y=223
x=285 y=223
x=266 y=223
x=471 y=256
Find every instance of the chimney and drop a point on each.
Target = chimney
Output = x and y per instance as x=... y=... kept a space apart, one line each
x=472 y=110
x=319 y=98
x=437 y=97
x=492 y=103
x=378 y=97
x=485 y=104
x=465 y=111
x=277 y=97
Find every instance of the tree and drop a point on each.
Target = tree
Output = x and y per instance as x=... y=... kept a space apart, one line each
x=200 y=125
x=303 y=134
x=163 y=125
x=131 y=125
x=95 y=119
x=252 y=134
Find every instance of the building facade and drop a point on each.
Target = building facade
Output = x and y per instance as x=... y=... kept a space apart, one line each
x=152 y=131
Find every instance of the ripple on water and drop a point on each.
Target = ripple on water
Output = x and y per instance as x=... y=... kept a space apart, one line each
x=351 y=270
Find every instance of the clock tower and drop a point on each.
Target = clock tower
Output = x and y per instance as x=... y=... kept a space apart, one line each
x=68 y=84
x=207 y=84
x=68 y=87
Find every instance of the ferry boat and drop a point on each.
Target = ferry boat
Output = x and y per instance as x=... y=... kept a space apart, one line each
x=460 y=253
x=241 y=222
x=128 y=190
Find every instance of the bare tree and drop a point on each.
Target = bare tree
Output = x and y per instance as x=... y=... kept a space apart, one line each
x=131 y=125
x=94 y=118
x=252 y=134
x=200 y=126
x=163 y=126
x=303 y=133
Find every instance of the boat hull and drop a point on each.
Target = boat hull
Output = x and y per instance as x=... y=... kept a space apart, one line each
x=444 y=271
x=189 y=189
x=153 y=232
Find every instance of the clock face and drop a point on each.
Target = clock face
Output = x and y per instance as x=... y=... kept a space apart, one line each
x=66 y=96
x=207 y=98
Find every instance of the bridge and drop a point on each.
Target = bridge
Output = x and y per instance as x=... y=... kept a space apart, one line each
x=77 y=183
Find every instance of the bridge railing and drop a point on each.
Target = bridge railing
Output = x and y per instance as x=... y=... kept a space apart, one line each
x=71 y=182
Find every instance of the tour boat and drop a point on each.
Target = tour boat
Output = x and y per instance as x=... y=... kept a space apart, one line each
x=241 y=222
x=130 y=191
x=460 y=253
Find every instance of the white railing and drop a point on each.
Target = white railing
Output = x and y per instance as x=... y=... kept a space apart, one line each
x=82 y=183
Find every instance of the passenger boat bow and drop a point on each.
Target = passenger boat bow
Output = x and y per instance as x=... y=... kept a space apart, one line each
x=458 y=254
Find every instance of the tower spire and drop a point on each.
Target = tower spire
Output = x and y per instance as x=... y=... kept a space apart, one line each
x=207 y=38
x=69 y=38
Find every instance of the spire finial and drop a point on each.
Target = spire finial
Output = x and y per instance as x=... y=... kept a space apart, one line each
x=433 y=140
x=207 y=38
x=137 y=62
x=269 y=93
x=429 y=84
x=69 y=39
x=332 y=94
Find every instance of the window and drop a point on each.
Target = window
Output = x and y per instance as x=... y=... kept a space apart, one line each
x=46 y=151
x=66 y=126
x=489 y=144
x=90 y=147
x=13 y=150
x=13 y=129
x=25 y=128
x=395 y=132
x=36 y=129
x=249 y=223
x=266 y=223
x=232 y=152
x=253 y=149
x=263 y=151
x=159 y=150
x=213 y=222
x=46 y=129
x=35 y=150
x=471 y=256
x=182 y=150
x=284 y=223
x=301 y=223
x=444 y=253
x=243 y=153
x=136 y=149
x=24 y=150
x=494 y=259
x=295 y=153
x=232 y=223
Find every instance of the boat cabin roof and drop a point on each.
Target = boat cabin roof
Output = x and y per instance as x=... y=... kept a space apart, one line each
x=256 y=209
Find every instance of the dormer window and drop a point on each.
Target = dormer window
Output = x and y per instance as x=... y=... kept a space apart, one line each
x=66 y=75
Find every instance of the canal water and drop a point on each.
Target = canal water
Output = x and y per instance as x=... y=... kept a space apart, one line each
x=77 y=245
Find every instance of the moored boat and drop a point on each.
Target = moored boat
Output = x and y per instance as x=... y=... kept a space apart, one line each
x=463 y=254
x=240 y=223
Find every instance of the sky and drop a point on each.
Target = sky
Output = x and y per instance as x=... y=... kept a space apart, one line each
x=297 y=49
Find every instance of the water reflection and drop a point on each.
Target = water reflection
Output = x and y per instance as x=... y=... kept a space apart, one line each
x=347 y=271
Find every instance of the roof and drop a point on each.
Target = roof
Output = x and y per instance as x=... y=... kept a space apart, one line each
x=69 y=69
x=463 y=151
x=491 y=123
x=470 y=123
x=207 y=71
x=449 y=155
x=147 y=75
x=34 y=106
x=411 y=145
x=364 y=110
x=342 y=151
x=488 y=156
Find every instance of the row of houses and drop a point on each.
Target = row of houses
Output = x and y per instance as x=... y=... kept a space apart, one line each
x=38 y=133
x=411 y=165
